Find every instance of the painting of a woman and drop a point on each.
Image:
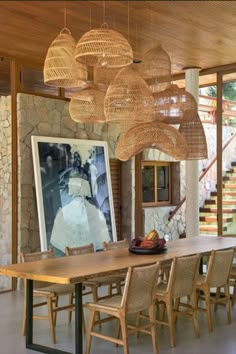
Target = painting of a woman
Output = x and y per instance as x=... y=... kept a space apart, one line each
x=73 y=190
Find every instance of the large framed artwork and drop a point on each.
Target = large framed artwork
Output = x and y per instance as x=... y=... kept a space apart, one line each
x=73 y=192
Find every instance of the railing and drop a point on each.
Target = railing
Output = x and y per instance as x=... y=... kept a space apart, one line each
x=204 y=172
x=208 y=105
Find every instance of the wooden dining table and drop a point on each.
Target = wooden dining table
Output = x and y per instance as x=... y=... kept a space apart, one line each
x=76 y=269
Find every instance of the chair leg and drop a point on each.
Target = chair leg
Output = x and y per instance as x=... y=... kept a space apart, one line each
x=95 y=299
x=208 y=308
x=55 y=304
x=51 y=319
x=171 y=322
x=234 y=292
x=161 y=309
x=124 y=335
x=152 y=316
x=228 y=303
x=217 y=297
x=24 y=316
x=193 y=298
x=71 y=298
x=91 y=319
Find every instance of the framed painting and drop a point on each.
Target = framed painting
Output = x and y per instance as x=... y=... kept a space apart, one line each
x=73 y=192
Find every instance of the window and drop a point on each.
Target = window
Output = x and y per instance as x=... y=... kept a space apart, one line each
x=156 y=186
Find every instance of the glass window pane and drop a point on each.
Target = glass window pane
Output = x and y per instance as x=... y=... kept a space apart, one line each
x=148 y=184
x=163 y=183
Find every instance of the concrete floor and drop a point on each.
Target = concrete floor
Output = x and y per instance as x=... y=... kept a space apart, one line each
x=221 y=340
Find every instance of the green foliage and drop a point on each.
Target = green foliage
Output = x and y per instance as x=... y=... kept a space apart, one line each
x=228 y=91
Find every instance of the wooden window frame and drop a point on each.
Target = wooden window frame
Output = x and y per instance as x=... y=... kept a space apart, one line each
x=155 y=164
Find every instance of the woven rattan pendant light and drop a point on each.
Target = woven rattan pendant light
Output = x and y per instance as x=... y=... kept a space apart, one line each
x=152 y=135
x=192 y=130
x=171 y=104
x=104 y=44
x=87 y=106
x=155 y=68
x=60 y=67
x=103 y=76
x=128 y=99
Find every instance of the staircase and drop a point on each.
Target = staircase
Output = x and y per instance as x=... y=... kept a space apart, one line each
x=208 y=213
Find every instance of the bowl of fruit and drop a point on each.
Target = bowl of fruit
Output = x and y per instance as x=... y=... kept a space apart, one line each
x=150 y=244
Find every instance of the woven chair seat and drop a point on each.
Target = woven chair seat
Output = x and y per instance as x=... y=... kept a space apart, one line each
x=56 y=289
x=106 y=280
x=201 y=278
x=114 y=302
x=161 y=287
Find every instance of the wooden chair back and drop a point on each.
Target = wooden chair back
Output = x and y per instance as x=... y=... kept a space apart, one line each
x=37 y=256
x=219 y=267
x=183 y=275
x=140 y=288
x=114 y=245
x=73 y=251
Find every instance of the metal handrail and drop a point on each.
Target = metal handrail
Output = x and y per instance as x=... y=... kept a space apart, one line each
x=204 y=172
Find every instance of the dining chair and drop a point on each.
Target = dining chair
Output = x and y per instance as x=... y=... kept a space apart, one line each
x=217 y=276
x=171 y=295
x=48 y=293
x=108 y=246
x=139 y=295
x=93 y=285
x=232 y=282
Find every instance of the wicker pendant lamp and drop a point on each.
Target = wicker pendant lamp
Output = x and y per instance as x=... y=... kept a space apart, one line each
x=87 y=106
x=106 y=44
x=155 y=68
x=128 y=99
x=152 y=135
x=60 y=67
x=103 y=75
x=192 y=130
x=171 y=104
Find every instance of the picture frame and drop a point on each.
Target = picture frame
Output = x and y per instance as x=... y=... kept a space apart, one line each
x=73 y=193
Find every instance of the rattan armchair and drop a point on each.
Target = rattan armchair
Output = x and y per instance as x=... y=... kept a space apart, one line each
x=48 y=293
x=217 y=276
x=138 y=295
x=181 y=284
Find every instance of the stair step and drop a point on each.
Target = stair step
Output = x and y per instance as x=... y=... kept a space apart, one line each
x=229 y=178
x=231 y=170
x=211 y=228
x=224 y=202
x=215 y=210
x=213 y=218
x=229 y=186
x=225 y=193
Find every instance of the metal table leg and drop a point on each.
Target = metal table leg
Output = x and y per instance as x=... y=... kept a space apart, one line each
x=29 y=322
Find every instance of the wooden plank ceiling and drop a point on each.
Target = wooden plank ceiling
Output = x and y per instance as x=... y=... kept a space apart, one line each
x=194 y=33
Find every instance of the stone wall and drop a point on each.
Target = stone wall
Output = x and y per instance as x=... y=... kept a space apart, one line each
x=42 y=116
x=5 y=188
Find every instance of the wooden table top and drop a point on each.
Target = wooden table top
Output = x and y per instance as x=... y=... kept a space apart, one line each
x=74 y=269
